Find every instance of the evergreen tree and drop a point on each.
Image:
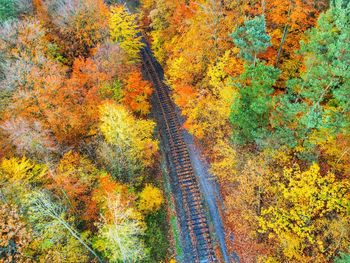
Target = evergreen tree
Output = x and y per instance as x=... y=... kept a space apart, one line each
x=250 y=110
x=344 y=258
x=252 y=38
x=319 y=99
x=7 y=10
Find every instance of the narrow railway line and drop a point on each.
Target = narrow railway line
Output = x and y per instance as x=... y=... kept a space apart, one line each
x=184 y=182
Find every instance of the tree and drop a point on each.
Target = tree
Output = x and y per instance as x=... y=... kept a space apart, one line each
x=119 y=237
x=208 y=112
x=151 y=199
x=241 y=216
x=15 y=235
x=208 y=117
x=124 y=31
x=317 y=101
x=287 y=22
x=85 y=29
x=53 y=234
x=326 y=80
x=18 y=176
x=130 y=144
x=65 y=107
x=112 y=61
x=309 y=217
x=30 y=138
x=75 y=179
x=156 y=15
x=251 y=38
x=136 y=93
x=7 y=10
x=224 y=161
x=76 y=27
x=344 y=258
x=23 y=45
x=10 y=9
x=47 y=215
x=68 y=107
x=251 y=107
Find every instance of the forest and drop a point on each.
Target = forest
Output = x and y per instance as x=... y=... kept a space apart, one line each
x=263 y=87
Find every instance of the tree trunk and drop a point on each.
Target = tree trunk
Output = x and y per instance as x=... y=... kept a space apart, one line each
x=75 y=235
x=263 y=6
x=285 y=32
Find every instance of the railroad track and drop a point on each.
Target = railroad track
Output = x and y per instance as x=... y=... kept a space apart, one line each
x=184 y=181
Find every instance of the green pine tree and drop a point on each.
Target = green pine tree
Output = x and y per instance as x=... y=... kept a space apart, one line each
x=7 y=10
x=252 y=38
x=250 y=110
x=319 y=99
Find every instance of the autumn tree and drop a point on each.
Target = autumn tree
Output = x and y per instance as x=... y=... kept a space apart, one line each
x=85 y=29
x=124 y=31
x=15 y=235
x=129 y=145
x=53 y=228
x=151 y=198
x=75 y=180
x=23 y=46
x=155 y=15
x=112 y=61
x=18 y=176
x=224 y=164
x=287 y=22
x=309 y=217
x=249 y=182
x=136 y=93
x=58 y=64
x=30 y=139
x=75 y=27
x=66 y=106
x=53 y=235
x=60 y=111
x=119 y=236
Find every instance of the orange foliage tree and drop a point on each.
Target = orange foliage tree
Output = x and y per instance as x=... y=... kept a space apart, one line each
x=67 y=107
x=77 y=177
x=136 y=93
x=76 y=28
x=14 y=235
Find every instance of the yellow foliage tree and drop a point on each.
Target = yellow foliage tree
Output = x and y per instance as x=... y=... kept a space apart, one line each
x=309 y=216
x=124 y=30
x=219 y=73
x=208 y=117
x=18 y=175
x=151 y=198
x=224 y=163
x=133 y=146
x=21 y=171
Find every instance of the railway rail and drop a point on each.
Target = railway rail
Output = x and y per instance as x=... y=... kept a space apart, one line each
x=183 y=179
